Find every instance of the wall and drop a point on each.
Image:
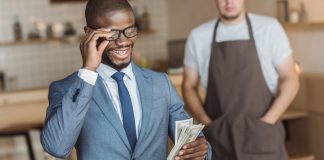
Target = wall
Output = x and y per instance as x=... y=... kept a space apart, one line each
x=264 y=7
x=308 y=49
x=184 y=15
x=36 y=65
x=315 y=105
x=304 y=39
x=314 y=9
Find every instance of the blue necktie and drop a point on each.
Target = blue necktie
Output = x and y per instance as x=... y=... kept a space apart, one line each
x=127 y=109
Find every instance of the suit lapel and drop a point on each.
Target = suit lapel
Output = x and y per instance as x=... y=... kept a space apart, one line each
x=105 y=104
x=145 y=88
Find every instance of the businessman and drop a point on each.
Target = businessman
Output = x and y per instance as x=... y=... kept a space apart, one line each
x=111 y=109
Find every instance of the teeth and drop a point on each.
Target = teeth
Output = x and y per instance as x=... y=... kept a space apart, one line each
x=120 y=52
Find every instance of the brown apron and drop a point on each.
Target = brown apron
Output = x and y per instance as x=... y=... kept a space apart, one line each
x=237 y=97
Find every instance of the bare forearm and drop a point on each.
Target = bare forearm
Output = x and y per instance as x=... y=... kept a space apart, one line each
x=194 y=105
x=288 y=90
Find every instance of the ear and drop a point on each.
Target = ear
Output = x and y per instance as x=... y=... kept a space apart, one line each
x=87 y=29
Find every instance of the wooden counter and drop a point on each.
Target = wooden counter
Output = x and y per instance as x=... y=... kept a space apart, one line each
x=22 y=109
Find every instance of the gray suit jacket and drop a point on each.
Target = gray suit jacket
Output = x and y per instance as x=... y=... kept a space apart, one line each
x=81 y=115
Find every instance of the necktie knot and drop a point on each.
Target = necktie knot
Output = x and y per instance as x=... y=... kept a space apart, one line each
x=118 y=76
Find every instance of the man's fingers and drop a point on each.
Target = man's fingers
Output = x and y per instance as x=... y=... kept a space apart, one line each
x=196 y=149
x=91 y=36
x=102 y=47
x=96 y=36
x=199 y=158
x=83 y=39
x=104 y=30
x=177 y=158
x=87 y=36
x=201 y=148
x=199 y=141
x=189 y=150
x=199 y=155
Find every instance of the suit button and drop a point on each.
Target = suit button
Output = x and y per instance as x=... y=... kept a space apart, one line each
x=76 y=94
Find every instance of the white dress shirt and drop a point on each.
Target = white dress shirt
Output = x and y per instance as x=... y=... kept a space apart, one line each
x=105 y=72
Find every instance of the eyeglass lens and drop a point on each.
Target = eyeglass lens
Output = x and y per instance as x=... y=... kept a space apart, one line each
x=128 y=33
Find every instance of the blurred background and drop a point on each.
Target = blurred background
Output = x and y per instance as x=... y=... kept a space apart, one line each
x=39 y=43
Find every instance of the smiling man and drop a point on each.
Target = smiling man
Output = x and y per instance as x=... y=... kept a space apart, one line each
x=245 y=64
x=111 y=109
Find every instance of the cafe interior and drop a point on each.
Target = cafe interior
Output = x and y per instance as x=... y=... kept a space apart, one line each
x=39 y=43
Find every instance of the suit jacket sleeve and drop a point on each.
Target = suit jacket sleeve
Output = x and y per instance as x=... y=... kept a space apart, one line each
x=176 y=111
x=65 y=116
x=176 y=108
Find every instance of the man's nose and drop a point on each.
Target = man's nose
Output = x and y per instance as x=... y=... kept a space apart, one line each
x=229 y=1
x=122 y=40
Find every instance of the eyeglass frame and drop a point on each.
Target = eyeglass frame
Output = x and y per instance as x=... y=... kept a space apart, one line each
x=122 y=31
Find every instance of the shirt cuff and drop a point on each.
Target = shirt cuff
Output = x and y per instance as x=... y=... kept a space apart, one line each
x=88 y=76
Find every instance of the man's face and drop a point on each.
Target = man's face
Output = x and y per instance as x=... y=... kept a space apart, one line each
x=230 y=9
x=118 y=53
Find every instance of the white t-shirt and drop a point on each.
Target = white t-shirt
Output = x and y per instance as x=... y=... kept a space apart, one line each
x=271 y=42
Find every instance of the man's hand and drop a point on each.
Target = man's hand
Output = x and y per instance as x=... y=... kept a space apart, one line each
x=195 y=150
x=91 y=53
x=268 y=121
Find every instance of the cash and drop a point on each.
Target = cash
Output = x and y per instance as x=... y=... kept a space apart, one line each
x=185 y=132
x=180 y=126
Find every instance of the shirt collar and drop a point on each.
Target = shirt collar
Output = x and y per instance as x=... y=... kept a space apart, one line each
x=106 y=71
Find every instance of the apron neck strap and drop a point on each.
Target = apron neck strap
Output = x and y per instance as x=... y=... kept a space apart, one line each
x=215 y=30
x=248 y=21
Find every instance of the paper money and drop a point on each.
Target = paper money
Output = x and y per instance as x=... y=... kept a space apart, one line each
x=186 y=132
x=194 y=132
x=180 y=125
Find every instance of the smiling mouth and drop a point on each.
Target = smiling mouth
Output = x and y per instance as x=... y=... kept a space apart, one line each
x=120 y=53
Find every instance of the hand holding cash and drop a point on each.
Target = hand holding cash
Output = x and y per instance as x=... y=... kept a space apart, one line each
x=186 y=132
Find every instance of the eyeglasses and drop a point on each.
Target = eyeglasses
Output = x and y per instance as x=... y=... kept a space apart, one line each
x=128 y=32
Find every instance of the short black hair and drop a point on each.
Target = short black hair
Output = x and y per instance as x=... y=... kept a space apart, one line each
x=98 y=8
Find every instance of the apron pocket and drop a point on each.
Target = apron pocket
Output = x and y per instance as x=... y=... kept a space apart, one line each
x=211 y=129
x=260 y=137
x=217 y=135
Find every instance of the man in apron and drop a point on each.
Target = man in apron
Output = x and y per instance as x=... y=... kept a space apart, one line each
x=245 y=64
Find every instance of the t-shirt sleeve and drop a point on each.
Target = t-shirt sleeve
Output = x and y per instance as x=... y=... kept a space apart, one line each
x=190 y=57
x=279 y=44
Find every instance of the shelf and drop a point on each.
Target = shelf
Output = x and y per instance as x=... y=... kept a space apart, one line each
x=294 y=114
x=40 y=41
x=71 y=39
x=304 y=25
x=69 y=1
x=301 y=157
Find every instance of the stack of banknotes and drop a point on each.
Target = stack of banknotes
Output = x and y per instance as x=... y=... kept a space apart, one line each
x=186 y=132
